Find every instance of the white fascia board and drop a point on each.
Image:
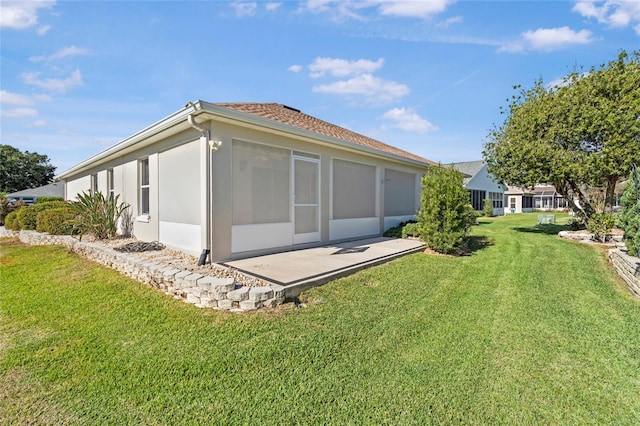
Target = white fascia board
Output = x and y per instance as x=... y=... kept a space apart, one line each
x=138 y=140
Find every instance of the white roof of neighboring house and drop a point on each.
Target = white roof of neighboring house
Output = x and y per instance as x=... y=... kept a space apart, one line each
x=271 y=117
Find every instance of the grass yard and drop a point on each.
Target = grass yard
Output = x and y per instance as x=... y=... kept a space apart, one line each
x=528 y=329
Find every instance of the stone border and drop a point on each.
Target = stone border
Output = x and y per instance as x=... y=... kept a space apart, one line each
x=628 y=267
x=200 y=290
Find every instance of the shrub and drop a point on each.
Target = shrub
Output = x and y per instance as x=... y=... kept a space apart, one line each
x=396 y=231
x=600 y=224
x=27 y=215
x=5 y=208
x=58 y=221
x=98 y=215
x=487 y=207
x=411 y=230
x=445 y=215
x=48 y=199
x=575 y=224
x=11 y=221
x=629 y=216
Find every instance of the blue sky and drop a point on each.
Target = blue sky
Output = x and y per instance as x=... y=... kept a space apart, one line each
x=425 y=76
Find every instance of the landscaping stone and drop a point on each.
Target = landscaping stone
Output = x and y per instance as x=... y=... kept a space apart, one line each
x=250 y=305
x=259 y=294
x=239 y=294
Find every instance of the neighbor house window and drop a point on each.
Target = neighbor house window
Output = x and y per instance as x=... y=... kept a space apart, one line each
x=512 y=203
x=261 y=190
x=399 y=193
x=110 y=190
x=143 y=171
x=527 y=202
x=354 y=190
x=477 y=198
x=496 y=198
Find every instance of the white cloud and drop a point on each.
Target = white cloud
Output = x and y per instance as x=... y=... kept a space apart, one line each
x=53 y=84
x=271 y=6
x=295 y=68
x=38 y=123
x=8 y=98
x=548 y=39
x=615 y=14
x=373 y=89
x=43 y=29
x=342 y=10
x=244 y=8
x=21 y=15
x=342 y=67
x=19 y=112
x=62 y=53
x=413 y=9
x=408 y=120
x=450 y=21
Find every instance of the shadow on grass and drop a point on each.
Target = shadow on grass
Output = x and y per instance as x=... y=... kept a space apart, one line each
x=476 y=243
x=548 y=229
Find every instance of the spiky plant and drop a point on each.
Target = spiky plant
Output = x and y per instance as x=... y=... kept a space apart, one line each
x=98 y=215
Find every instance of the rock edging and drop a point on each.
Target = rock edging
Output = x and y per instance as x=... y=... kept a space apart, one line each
x=628 y=267
x=202 y=291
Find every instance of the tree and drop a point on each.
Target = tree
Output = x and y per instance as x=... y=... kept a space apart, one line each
x=23 y=170
x=445 y=215
x=629 y=216
x=580 y=135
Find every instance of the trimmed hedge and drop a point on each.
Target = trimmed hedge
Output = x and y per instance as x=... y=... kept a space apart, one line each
x=27 y=216
x=11 y=221
x=59 y=221
x=41 y=200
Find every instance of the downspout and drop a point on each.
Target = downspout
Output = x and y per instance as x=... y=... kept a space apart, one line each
x=212 y=145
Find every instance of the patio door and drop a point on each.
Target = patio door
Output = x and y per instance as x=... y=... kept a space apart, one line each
x=306 y=200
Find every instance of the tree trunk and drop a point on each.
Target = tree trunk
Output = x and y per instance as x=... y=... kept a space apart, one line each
x=610 y=193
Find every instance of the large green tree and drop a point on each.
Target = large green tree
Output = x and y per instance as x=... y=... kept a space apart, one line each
x=580 y=135
x=23 y=170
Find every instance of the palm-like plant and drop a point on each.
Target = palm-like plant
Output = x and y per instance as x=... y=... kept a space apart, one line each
x=98 y=215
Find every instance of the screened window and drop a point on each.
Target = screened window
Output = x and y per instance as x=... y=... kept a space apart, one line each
x=527 y=202
x=354 y=190
x=477 y=198
x=261 y=177
x=512 y=202
x=399 y=193
x=110 y=188
x=497 y=199
x=143 y=170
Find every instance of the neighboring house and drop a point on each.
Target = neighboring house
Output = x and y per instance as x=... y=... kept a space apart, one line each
x=31 y=195
x=545 y=198
x=481 y=185
x=243 y=179
x=519 y=200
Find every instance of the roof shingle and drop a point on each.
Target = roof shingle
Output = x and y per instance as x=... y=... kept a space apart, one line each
x=293 y=117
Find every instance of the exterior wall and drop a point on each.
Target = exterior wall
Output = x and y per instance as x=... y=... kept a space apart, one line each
x=179 y=197
x=519 y=206
x=77 y=186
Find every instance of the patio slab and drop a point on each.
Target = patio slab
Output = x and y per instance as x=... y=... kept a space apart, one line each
x=299 y=270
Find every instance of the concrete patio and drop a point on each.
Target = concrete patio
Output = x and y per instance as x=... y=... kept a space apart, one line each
x=299 y=270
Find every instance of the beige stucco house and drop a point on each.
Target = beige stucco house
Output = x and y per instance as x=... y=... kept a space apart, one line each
x=240 y=179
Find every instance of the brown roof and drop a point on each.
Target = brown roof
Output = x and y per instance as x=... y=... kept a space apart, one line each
x=294 y=117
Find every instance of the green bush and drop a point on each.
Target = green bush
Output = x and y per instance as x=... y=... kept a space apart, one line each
x=98 y=215
x=445 y=215
x=629 y=216
x=575 y=224
x=27 y=215
x=48 y=199
x=411 y=230
x=600 y=224
x=5 y=208
x=396 y=231
x=11 y=221
x=487 y=207
x=58 y=221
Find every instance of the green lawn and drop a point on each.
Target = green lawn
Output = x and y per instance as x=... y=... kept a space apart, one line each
x=528 y=329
